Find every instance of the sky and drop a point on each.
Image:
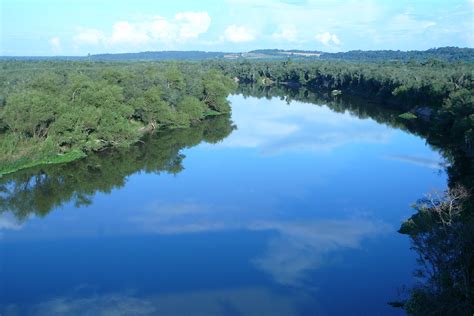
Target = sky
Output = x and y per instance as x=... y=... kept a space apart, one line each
x=73 y=27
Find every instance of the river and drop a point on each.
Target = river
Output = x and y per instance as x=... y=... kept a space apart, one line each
x=291 y=208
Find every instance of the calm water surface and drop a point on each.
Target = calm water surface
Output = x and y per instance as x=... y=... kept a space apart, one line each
x=296 y=212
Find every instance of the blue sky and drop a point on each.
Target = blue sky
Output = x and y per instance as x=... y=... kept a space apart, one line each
x=62 y=27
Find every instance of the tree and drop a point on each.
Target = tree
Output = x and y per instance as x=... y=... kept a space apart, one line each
x=192 y=107
x=30 y=113
x=442 y=234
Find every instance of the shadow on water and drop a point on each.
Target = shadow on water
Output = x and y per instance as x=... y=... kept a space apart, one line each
x=446 y=251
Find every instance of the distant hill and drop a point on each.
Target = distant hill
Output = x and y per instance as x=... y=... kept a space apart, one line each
x=162 y=55
x=443 y=53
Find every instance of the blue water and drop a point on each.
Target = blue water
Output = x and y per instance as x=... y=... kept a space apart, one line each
x=295 y=213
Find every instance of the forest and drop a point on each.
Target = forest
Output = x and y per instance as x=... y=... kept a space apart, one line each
x=436 y=92
x=53 y=111
x=446 y=54
x=123 y=117
x=60 y=111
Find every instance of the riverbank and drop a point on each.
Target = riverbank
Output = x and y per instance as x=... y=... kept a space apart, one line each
x=56 y=111
x=55 y=159
x=59 y=158
x=438 y=93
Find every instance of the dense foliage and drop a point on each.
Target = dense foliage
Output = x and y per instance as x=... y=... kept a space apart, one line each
x=164 y=55
x=441 y=93
x=442 y=233
x=62 y=110
x=448 y=54
x=443 y=53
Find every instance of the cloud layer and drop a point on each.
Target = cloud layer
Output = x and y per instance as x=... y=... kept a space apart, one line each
x=238 y=34
x=242 y=25
x=55 y=43
x=183 y=27
x=328 y=39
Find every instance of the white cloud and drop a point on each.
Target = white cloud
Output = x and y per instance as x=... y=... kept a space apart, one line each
x=89 y=37
x=184 y=26
x=125 y=32
x=160 y=29
x=238 y=34
x=55 y=43
x=405 y=23
x=328 y=39
x=192 y=24
x=286 y=32
x=368 y=24
x=7 y=222
x=360 y=17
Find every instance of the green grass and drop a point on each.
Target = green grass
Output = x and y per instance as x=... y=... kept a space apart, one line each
x=407 y=116
x=32 y=160
x=27 y=163
x=212 y=113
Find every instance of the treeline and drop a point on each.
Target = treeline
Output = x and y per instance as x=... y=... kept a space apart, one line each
x=446 y=54
x=57 y=111
x=449 y=54
x=163 y=55
x=437 y=92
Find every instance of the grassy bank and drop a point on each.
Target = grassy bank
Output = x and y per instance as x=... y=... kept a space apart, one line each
x=26 y=163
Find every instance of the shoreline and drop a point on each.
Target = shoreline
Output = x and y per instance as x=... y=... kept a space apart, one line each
x=79 y=154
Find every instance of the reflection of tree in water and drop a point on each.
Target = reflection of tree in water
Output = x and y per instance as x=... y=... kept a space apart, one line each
x=39 y=190
x=442 y=229
x=434 y=131
x=442 y=233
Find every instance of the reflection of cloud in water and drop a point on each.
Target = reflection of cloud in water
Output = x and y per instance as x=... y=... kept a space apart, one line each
x=163 y=218
x=325 y=141
x=274 y=127
x=301 y=245
x=8 y=222
x=241 y=301
x=419 y=161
